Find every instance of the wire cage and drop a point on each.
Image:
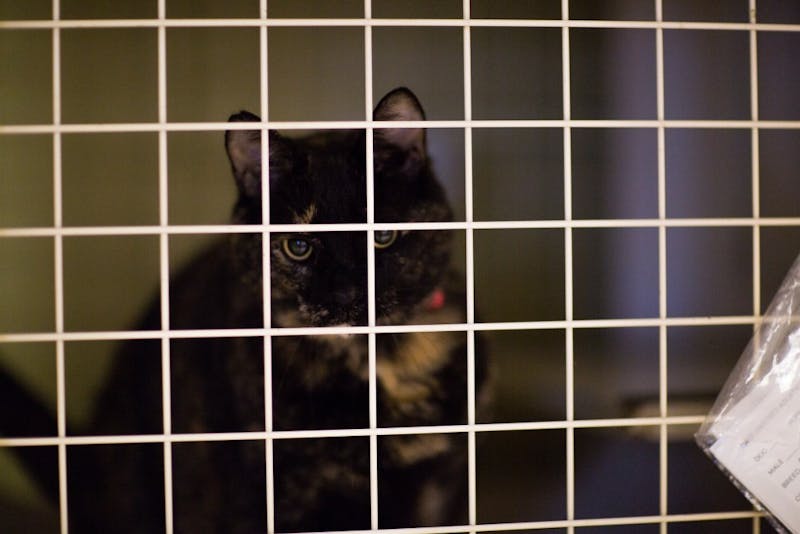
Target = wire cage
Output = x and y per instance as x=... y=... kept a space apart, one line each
x=623 y=177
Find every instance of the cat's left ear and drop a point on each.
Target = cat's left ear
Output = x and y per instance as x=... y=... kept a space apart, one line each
x=244 y=153
x=401 y=105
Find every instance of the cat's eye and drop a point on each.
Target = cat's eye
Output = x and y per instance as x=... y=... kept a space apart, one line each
x=385 y=238
x=297 y=248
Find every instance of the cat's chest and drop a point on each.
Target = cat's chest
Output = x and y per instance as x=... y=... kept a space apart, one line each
x=415 y=378
x=323 y=381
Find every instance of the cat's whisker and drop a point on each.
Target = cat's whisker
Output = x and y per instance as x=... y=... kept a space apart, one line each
x=290 y=362
x=344 y=335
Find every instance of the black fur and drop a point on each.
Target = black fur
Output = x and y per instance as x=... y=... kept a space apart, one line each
x=318 y=382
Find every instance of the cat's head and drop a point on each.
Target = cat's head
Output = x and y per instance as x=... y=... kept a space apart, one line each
x=320 y=278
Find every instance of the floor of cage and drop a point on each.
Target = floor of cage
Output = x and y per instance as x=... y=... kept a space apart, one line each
x=540 y=495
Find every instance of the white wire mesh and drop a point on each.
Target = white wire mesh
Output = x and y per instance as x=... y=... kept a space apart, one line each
x=165 y=231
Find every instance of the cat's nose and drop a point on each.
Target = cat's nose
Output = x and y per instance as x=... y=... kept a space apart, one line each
x=346 y=296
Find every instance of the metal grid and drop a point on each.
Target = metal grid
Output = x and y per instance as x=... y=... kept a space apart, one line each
x=569 y=324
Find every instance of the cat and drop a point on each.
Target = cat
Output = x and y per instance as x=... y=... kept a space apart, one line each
x=318 y=382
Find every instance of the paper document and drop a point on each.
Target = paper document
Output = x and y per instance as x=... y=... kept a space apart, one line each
x=758 y=442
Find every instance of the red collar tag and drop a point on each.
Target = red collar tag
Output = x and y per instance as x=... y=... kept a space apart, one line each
x=436 y=300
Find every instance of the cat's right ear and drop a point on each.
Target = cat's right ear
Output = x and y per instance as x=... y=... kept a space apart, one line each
x=244 y=153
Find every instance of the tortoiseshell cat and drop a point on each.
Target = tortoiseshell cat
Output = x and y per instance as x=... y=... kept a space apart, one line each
x=318 y=382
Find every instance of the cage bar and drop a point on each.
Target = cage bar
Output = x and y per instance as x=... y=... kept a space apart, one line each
x=568 y=223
